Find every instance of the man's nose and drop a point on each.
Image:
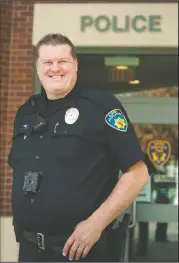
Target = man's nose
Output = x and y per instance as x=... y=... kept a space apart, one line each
x=55 y=67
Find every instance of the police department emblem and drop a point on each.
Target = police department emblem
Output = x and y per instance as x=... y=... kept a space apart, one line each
x=71 y=115
x=159 y=152
x=117 y=120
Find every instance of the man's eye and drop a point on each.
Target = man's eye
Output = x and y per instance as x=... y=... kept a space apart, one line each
x=47 y=62
x=62 y=61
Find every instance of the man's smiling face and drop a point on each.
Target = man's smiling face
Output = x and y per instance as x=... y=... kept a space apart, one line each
x=57 y=70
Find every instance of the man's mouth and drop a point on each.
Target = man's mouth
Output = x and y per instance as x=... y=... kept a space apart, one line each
x=57 y=77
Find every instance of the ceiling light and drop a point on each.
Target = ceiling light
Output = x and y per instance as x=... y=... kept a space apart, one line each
x=122 y=67
x=136 y=81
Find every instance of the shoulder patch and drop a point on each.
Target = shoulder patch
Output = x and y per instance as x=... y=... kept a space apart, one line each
x=116 y=119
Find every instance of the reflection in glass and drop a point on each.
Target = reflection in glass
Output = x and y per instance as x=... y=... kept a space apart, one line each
x=165 y=177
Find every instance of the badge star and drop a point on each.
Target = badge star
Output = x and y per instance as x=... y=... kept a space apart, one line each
x=119 y=123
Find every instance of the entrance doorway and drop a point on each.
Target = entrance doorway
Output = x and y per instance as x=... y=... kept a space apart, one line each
x=155 y=222
x=151 y=103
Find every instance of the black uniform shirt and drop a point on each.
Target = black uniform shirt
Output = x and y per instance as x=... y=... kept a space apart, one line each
x=79 y=154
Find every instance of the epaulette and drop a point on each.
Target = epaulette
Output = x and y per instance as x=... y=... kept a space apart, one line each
x=31 y=101
x=103 y=99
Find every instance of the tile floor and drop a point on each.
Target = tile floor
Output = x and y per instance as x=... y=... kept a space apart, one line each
x=159 y=251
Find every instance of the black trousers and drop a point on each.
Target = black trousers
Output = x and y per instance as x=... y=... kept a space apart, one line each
x=29 y=252
x=161 y=232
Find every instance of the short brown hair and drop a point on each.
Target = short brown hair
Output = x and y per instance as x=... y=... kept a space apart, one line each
x=55 y=39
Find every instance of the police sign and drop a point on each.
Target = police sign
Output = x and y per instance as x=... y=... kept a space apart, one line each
x=109 y=24
x=138 y=23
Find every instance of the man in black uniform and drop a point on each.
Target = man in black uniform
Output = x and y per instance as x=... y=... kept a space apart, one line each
x=68 y=146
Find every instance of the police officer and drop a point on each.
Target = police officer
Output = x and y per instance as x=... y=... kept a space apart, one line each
x=67 y=149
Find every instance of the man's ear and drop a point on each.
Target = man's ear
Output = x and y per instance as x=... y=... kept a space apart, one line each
x=76 y=61
x=37 y=68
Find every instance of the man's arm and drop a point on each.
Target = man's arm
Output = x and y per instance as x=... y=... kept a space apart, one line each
x=87 y=233
x=124 y=193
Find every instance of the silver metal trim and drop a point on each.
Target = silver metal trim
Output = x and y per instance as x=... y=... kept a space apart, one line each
x=133 y=215
x=41 y=241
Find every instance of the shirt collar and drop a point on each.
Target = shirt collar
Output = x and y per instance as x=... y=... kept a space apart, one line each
x=48 y=109
x=75 y=90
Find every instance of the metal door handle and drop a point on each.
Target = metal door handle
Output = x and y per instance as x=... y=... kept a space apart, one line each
x=133 y=215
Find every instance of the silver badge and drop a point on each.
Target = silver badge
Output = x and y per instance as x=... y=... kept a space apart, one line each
x=71 y=115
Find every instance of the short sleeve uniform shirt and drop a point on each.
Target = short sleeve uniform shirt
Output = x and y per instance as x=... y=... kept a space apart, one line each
x=87 y=139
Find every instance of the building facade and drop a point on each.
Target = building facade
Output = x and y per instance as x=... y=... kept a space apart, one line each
x=23 y=22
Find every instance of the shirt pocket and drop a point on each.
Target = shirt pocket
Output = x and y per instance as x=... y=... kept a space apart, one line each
x=20 y=144
x=66 y=134
x=78 y=133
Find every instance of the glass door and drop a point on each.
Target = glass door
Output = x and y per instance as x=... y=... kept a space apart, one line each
x=155 y=233
x=154 y=237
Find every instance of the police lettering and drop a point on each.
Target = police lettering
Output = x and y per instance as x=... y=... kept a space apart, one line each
x=138 y=23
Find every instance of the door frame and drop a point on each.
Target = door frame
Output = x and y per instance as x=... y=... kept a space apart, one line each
x=154 y=110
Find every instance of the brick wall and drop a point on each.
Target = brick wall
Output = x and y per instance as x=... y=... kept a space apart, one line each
x=5 y=21
x=16 y=80
x=5 y=31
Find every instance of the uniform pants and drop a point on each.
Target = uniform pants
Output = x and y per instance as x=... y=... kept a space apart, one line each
x=161 y=232
x=29 y=252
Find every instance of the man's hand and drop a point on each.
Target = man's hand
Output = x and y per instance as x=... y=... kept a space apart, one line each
x=82 y=239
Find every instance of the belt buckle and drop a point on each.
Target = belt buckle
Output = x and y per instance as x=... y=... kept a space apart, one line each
x=40 y=241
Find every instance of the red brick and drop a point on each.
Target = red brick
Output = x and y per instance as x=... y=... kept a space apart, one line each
x=17 y=75
x=18 y=52
x=18 y=64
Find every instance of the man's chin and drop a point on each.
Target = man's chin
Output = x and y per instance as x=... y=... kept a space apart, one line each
x=56 y=89
x=58 y=92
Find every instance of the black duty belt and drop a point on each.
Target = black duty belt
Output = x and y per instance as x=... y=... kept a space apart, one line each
x=37 y=238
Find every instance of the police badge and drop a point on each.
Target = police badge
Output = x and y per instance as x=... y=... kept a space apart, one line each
x=71 y=115
x=159 y=152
